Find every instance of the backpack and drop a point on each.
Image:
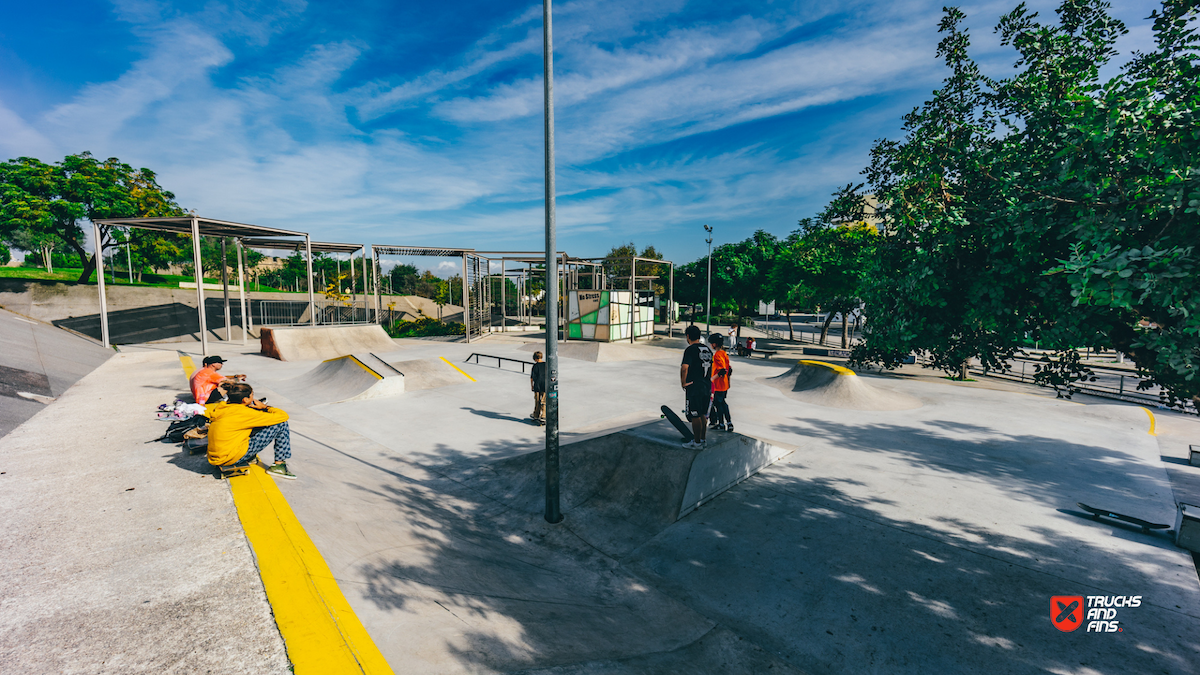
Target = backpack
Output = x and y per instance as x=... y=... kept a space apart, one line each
x=175 y=432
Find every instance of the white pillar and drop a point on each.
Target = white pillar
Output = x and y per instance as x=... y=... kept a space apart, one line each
x=312 y=304
x=237 y=243
x=198 y=268
x=99 y=247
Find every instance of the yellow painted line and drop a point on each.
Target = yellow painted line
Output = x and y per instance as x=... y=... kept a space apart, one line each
x=1152 y=424
x=362 y=365
x=840 y=370
x=189 y=367
x=458 y=369
x=322 y=633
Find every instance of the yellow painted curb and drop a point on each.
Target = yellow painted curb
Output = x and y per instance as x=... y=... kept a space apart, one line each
x=1152 y=423
x=458 y=369
x=189 y=366
x=840 y=370
x=322 y=633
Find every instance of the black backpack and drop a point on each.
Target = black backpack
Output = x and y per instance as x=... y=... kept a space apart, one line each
x=175 y=432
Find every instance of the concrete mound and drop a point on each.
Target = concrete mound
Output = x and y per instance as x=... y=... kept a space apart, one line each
x=346 y=378
x=834 y=386
x=620 y=489
x=603 y=352
x=428 y=374
x=310 y=343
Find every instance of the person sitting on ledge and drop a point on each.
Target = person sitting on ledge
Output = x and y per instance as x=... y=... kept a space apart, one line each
x=207 y=382
x=242 y=427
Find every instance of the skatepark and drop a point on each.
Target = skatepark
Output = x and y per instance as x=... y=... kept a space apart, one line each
x=852 y=523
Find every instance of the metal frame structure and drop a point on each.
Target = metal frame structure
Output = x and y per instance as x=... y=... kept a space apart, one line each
x=634 y=277
x=320 y=247
x=476 y=273
x=198 y=227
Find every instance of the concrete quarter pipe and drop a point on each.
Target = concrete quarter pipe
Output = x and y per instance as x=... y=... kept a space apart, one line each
x=323 y=342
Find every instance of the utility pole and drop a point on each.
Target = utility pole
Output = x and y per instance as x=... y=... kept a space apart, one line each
x=708 y=304
x=553 y=510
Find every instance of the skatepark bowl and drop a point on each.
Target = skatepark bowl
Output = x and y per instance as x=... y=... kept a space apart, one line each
x=921 y=538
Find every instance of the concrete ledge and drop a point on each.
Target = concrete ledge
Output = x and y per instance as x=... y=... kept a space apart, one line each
x=313 y=343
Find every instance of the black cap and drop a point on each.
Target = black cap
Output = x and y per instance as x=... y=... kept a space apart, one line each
x=209 y=360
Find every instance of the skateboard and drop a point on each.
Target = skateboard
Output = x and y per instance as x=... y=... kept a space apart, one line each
x=227 y=472
x=684 y=429
x=1144 y=524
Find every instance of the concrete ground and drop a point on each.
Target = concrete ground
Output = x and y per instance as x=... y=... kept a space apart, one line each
x=121 y=556
x=916 y=541
x=927 y=540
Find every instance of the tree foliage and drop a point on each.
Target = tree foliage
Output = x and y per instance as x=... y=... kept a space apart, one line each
x=1048 y=206
x=52 y=200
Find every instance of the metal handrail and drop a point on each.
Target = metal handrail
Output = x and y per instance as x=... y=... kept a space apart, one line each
x=499 y=360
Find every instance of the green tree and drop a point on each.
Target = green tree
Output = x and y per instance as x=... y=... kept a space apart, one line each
x=55 y=199
x=617 y=261
x=741 y=273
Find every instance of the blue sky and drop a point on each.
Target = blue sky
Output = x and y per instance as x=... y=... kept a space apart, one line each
x=420 y=123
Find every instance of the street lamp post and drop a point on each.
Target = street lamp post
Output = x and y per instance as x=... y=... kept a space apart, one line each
x=553 y=510
x=708 y=304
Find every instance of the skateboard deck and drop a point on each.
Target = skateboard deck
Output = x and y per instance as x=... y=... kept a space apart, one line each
x=1144 y=524
x=685 y=430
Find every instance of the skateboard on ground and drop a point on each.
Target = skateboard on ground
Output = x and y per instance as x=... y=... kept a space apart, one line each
x=1144 y=524
x=227 y=472
x=684 y=429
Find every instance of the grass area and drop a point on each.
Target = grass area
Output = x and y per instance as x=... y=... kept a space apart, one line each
x=150 y=280
x=425 y=327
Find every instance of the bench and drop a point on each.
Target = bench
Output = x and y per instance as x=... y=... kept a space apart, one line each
x=766 y=353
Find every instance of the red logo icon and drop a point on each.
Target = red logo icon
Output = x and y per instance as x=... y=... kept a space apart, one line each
x=1066 y=612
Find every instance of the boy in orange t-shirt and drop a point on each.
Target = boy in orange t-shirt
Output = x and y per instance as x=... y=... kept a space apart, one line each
x=721 y=370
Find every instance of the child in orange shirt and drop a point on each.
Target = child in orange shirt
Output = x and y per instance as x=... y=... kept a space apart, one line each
x=721 y=370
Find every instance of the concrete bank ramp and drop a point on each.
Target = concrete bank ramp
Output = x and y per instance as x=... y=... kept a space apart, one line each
x=602 y=352
x=428 y=374
x=835 y=386
x=310 y=343
x=621 y=489
x=345 y=378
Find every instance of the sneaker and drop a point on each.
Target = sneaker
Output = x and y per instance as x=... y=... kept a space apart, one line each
x=729 y=427
x=280 y=470
x=692 y=445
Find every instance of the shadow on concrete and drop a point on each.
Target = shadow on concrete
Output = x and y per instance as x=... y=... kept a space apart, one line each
x=490 y=414
x=797 y=568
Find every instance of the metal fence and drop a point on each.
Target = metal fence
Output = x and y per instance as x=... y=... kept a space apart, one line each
x=329 y=313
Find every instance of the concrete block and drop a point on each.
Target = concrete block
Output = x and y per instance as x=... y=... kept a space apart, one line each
x=1187 y=527
x=1194 y=455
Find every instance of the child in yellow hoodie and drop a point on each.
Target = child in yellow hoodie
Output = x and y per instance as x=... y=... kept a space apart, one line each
x=243 y=427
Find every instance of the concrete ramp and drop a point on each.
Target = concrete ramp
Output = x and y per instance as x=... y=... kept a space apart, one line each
x=621 y=489
x=429 y=374
x=346 y=378
x=310 y=343
x=835 y=386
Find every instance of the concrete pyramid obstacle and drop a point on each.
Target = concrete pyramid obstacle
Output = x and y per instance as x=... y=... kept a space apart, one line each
x=620 y=489
x=345 y=378
x=835 y=386
x=429 y=374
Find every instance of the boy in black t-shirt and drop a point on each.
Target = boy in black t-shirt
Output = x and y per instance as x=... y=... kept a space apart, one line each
x=694 y=376
x=537 y=382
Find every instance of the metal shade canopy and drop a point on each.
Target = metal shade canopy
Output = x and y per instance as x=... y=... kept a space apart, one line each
x=197 y=226
x=294 y=245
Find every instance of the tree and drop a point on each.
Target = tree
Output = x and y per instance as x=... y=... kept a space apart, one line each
x=404 y=279
x=54 y=199
x=616 y=264
x=740 y=273
x=825 y=263
x=1048 y=206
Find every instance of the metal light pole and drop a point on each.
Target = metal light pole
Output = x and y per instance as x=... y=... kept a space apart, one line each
x=708 y=304
x=553 y=510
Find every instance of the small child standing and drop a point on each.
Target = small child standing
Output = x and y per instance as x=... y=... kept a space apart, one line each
x=721 y=370
x=537 y=382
